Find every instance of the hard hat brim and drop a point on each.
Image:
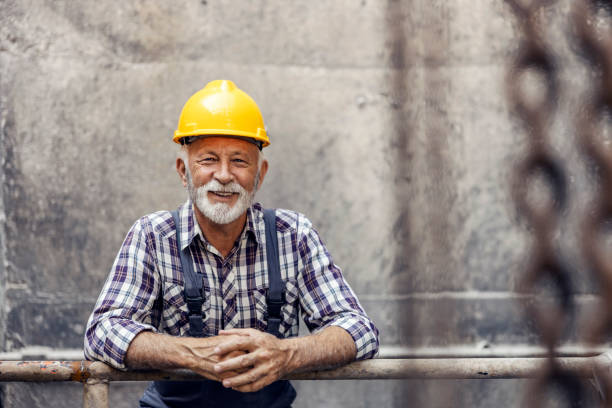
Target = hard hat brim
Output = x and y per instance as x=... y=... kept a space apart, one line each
x=260 y=136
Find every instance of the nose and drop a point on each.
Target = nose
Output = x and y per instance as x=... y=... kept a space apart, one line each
x=223 y=175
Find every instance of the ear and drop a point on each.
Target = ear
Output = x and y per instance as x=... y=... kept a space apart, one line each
x=262 y=173
x=181 y=170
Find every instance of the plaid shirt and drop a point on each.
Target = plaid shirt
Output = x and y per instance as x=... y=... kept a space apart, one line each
x=144 y=290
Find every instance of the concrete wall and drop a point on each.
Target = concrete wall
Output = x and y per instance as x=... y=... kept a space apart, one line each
x=390 y=128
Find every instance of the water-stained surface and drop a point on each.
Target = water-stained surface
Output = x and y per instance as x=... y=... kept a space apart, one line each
x=390 y=129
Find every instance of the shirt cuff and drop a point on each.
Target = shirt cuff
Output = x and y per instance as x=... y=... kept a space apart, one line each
x=122 y=334
x=365 y=338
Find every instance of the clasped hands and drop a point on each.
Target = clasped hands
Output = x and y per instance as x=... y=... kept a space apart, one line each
x=249 y=359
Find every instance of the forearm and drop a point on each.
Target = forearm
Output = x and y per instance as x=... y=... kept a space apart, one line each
x=150 y=350
x=333 y=346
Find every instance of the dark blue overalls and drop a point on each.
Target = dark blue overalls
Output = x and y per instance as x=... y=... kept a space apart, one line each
x=208 y=393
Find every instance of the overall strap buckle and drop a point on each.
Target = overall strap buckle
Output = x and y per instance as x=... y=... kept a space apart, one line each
x=275 y=298
x=193 y=286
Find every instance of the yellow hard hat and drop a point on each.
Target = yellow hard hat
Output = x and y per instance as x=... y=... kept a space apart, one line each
x=221 y=108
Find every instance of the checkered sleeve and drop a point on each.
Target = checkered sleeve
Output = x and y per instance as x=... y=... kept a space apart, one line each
x=327 y=299
x=125 y=306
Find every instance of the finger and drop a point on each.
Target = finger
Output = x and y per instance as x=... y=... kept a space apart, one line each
x=229 y=374
x=217 y=377
x=257 y=385
x=234 y=344
x=231 y=354
x=236 y=363
x=251 y=376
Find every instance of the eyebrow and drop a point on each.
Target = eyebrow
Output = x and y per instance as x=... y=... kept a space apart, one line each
x=232 y=153
x=207 y=152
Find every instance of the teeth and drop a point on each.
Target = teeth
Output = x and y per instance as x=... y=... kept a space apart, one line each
x=223 y=194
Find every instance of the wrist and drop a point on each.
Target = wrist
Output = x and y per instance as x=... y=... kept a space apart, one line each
x=192 y=351
x=293 y=351
x=182 y=356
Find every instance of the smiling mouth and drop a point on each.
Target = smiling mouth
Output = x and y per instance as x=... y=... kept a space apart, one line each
x=222 y=194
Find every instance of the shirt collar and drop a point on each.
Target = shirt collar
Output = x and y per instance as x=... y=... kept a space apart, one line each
x=191 y=229
x=187 y=225
x=254 y=223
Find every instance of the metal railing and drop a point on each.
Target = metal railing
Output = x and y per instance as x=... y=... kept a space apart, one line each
x=96 y=376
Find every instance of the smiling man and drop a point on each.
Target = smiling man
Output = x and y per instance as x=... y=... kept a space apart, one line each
x=217 y=286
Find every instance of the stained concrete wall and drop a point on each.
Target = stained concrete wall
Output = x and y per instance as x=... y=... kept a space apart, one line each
x=390 y=129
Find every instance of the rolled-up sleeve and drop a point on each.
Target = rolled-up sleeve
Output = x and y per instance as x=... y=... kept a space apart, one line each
x=327 y=299
x=125 y=306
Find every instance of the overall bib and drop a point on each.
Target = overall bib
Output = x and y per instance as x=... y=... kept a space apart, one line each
x=209 y=393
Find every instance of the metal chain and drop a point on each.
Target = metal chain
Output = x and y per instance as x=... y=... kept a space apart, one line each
x=596 y=48
x=546 y=265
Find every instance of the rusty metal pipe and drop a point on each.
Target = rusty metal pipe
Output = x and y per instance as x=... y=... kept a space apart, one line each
x=447 y=368
x=95 y=394
x=450 y=368
x=44 y=371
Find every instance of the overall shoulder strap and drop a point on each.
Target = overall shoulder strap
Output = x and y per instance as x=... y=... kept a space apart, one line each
x=193 y=286
x=275 y=297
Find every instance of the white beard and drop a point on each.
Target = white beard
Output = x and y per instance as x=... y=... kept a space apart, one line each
x=221 y=213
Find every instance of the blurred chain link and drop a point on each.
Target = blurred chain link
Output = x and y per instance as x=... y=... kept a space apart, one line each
x=595 y=45
x=534 y=69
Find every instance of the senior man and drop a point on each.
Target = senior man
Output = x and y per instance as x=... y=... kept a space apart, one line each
x=217 y=286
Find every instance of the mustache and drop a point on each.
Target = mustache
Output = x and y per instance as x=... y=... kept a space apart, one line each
x=214 y=185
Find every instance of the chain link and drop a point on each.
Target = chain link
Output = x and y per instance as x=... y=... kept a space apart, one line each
x=596 y=48
x=546 y=266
